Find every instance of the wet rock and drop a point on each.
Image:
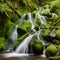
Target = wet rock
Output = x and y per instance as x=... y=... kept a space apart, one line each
x=37 y=47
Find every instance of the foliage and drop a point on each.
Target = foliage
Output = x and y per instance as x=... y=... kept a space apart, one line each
x=9 y=29
x=3 y=45
x=56 y=7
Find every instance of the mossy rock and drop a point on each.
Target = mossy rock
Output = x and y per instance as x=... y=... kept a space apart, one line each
x=58 y=34
x=3 y=44
x=19 y=40
x=25 y=25
x=45 y=34
x=37 y=47
x=51 y=50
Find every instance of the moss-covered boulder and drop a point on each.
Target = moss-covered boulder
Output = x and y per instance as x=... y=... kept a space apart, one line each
x=19 y=40
x=24 y=27
x=45 y=34
x=37 y=47
x=51 y=51
x=3 y=44
x=58 y=34
x=9 y=29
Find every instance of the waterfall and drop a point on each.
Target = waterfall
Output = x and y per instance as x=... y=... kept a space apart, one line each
x=42 y=18
x=13 y=37
x=23 y=46
x=14 y=34
x=30 y=19
x=22 y=18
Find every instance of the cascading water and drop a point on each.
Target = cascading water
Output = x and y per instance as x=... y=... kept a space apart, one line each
x=43 y=21
x=22 y=18
x=13 y=37
x=30 y=19
x=42 y=18
x=23 y=46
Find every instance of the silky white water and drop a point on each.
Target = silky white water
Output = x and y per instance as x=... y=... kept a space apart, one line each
x=42 y=18
x=13 y=37
x=23 y=47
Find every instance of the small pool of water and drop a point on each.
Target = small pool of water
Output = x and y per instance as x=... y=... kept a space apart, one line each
x=14 y=56
x=24 y=58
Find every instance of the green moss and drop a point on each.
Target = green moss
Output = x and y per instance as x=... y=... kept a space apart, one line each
x=19 y=40
x=37 y=47
x=25 y=26
x=9 y=29
x=51 y=50
x=3 y=45
x=37 y=42
x=45 y=34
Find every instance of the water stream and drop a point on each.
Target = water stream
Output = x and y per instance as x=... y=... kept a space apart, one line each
x=23 y=47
